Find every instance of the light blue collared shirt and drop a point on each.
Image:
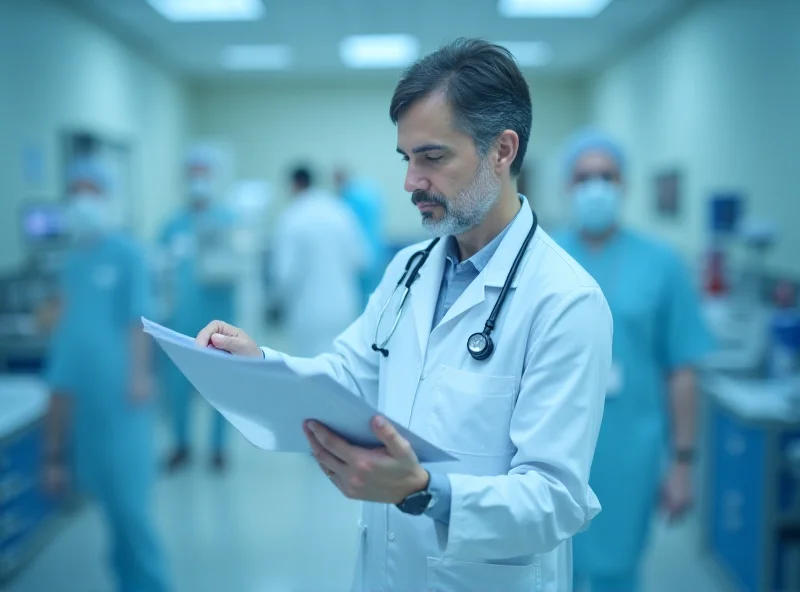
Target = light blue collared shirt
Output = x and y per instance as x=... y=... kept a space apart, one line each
x=458 y=275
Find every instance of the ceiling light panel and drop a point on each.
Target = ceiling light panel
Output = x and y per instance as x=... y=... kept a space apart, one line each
x=209 y=10
x=378 y=51
x=551 y=8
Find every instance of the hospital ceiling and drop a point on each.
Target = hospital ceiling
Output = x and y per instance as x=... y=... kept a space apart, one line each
x=313 y=29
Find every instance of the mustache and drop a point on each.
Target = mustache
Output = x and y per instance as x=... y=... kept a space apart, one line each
x=424 y=197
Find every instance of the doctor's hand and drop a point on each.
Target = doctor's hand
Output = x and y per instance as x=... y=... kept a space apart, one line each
x=388 y=474
x=228 y=338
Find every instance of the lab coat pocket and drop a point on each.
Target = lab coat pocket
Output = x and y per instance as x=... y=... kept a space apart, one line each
x=449 y=575
x=471 y=412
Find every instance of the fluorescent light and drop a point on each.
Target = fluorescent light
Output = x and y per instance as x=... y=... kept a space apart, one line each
x=552 y=8
x=209 y=10
x=378 y=51
x=530 y=54
x=256 y=57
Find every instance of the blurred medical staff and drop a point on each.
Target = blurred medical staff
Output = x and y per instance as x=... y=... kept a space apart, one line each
x=320 y=254
x=197 y=232
x=659 y=337
x=365 y=201
x=99 y=372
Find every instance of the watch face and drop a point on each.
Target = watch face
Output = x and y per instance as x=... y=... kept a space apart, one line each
x=477 y=343
x=416 y=504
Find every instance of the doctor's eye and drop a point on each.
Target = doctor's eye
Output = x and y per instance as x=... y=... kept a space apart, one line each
x=404 y=158
x=434 y=158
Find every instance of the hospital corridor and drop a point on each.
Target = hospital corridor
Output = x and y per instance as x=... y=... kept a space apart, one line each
x=429 y=296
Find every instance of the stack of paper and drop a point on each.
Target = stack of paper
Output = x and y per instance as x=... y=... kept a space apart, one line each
x=268 y=401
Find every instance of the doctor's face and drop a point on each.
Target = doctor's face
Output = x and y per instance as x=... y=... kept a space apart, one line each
x=453 y=187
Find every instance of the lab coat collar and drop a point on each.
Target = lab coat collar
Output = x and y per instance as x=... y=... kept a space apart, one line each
x=497 y=270
x=425 y=292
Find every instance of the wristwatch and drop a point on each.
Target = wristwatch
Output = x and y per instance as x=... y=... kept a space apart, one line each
x=416 y=503
x=684 y=455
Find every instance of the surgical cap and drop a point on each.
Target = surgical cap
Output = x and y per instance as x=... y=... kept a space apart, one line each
x=88 y=170
x=592 y=140
x=203 y=155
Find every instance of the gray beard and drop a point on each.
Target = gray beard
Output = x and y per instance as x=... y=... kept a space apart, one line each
x=469 y=207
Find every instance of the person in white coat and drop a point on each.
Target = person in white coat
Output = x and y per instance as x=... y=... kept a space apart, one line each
x=320 y=253
x=501 y=355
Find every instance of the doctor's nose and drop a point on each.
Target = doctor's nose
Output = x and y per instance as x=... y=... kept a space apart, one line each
x=415 y=181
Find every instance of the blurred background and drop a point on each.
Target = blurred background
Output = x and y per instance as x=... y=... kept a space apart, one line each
x=195 y=122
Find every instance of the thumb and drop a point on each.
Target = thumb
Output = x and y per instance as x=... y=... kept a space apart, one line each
x=226 y=343
x=396 y=445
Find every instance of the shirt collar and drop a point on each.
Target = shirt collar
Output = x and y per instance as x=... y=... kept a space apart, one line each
x=480 y=259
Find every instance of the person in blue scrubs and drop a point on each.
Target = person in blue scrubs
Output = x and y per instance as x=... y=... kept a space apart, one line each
x=195 y=299
x=364 y=200
x=99 y=371
x=659 y=338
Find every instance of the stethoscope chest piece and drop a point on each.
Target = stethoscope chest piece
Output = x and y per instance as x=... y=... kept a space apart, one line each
x=480 y=346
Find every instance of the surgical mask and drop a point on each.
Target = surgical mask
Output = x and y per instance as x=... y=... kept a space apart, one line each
x=596 y=206
x=200 y=190
x=87 y=216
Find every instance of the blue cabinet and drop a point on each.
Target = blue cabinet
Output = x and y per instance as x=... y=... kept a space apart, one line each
x=737 y=508
x=25 y=510
x=750 y=497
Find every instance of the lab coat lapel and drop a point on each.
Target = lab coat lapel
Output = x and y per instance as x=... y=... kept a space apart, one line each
x=496 y=271
x=425 y=293
x=472 y=296
x=500 y=264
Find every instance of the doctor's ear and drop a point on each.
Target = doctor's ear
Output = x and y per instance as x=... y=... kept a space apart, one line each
x=506 y=147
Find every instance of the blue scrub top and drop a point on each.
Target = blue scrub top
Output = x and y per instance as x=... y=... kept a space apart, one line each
x=105 y=291
x=658 y=328
x=196 y=303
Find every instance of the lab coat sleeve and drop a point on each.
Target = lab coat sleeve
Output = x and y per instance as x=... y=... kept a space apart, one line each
x=545 y=499
x=353 y=363
x=287 y=255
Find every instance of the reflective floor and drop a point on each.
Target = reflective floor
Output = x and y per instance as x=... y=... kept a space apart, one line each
x=274 y=524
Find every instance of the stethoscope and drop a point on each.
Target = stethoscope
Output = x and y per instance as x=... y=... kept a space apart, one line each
x=479 y=345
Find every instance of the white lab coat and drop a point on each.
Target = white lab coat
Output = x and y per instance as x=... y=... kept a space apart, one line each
x=523 y=423
x=320 y=252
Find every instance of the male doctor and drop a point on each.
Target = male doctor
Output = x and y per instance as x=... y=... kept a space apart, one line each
x=523 y=421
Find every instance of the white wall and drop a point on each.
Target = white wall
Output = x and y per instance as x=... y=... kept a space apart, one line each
x=58 y=71
x=716 y=95
x=270 y=127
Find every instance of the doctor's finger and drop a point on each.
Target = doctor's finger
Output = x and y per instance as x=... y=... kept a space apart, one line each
x=396 y=445
x=325 y=458
x=203 y=338
x=331 y=442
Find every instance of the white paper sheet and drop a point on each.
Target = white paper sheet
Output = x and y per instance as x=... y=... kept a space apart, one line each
x=267 y=401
